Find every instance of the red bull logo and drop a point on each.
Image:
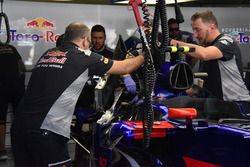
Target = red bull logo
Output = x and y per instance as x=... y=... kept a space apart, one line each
x=32 y=24
x=40 y=23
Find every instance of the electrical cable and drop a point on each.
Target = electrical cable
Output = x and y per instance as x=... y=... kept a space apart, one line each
x=149 y=79
x=160 y=15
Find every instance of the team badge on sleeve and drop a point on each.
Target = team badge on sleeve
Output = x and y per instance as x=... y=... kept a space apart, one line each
x=105 y=60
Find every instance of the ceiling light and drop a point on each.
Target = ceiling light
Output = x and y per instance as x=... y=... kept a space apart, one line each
x=62 y=0
x=152 y=2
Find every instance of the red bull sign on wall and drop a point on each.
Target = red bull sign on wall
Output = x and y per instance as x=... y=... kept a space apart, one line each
x=44 y=31
x=40 y=24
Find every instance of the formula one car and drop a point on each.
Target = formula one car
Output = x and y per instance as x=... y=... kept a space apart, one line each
x=177 y=139
x=143 y=132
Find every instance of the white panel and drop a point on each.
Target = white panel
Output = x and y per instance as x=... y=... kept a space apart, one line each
x=116 y=19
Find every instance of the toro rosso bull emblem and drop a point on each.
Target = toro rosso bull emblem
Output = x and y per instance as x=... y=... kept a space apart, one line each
x=40 y=23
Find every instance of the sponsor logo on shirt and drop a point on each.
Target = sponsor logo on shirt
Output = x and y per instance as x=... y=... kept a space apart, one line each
x=226 y=40
x=53 y=59
x=56 y=53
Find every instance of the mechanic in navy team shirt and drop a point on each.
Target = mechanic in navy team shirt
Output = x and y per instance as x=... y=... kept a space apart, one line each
x=221 y=59
x=41 y=127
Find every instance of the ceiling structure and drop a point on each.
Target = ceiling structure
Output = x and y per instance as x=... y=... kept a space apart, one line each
x=201 y=3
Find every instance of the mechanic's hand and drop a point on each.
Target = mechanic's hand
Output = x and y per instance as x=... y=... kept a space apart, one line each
x=189 y=92
x=195 y=91
x=169 y=42
x=130 y=84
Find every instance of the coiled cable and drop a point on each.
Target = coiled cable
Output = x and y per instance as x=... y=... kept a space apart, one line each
x=160 y=15
x=147 y=23
x=149 y=80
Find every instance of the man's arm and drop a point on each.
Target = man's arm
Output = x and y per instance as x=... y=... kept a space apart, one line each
x=126 y=66
x=202 y=53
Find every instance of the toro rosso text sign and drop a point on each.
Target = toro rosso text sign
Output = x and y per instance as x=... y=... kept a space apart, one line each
x=43 y=26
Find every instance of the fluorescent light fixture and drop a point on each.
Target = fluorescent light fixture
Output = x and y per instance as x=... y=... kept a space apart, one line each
x=152 y=2
x=62 y=0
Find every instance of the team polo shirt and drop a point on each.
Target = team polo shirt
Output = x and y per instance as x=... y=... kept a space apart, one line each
x=105 y=51
x=55 y=85
x=225 y=76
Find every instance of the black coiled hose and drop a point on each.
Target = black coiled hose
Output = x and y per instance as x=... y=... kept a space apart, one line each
x=160 y=13
x=147 y=23
x=149 y=81
x=7 y=26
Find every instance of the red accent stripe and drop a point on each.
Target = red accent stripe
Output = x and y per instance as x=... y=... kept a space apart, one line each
x=158 y=130
x=197 y=163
